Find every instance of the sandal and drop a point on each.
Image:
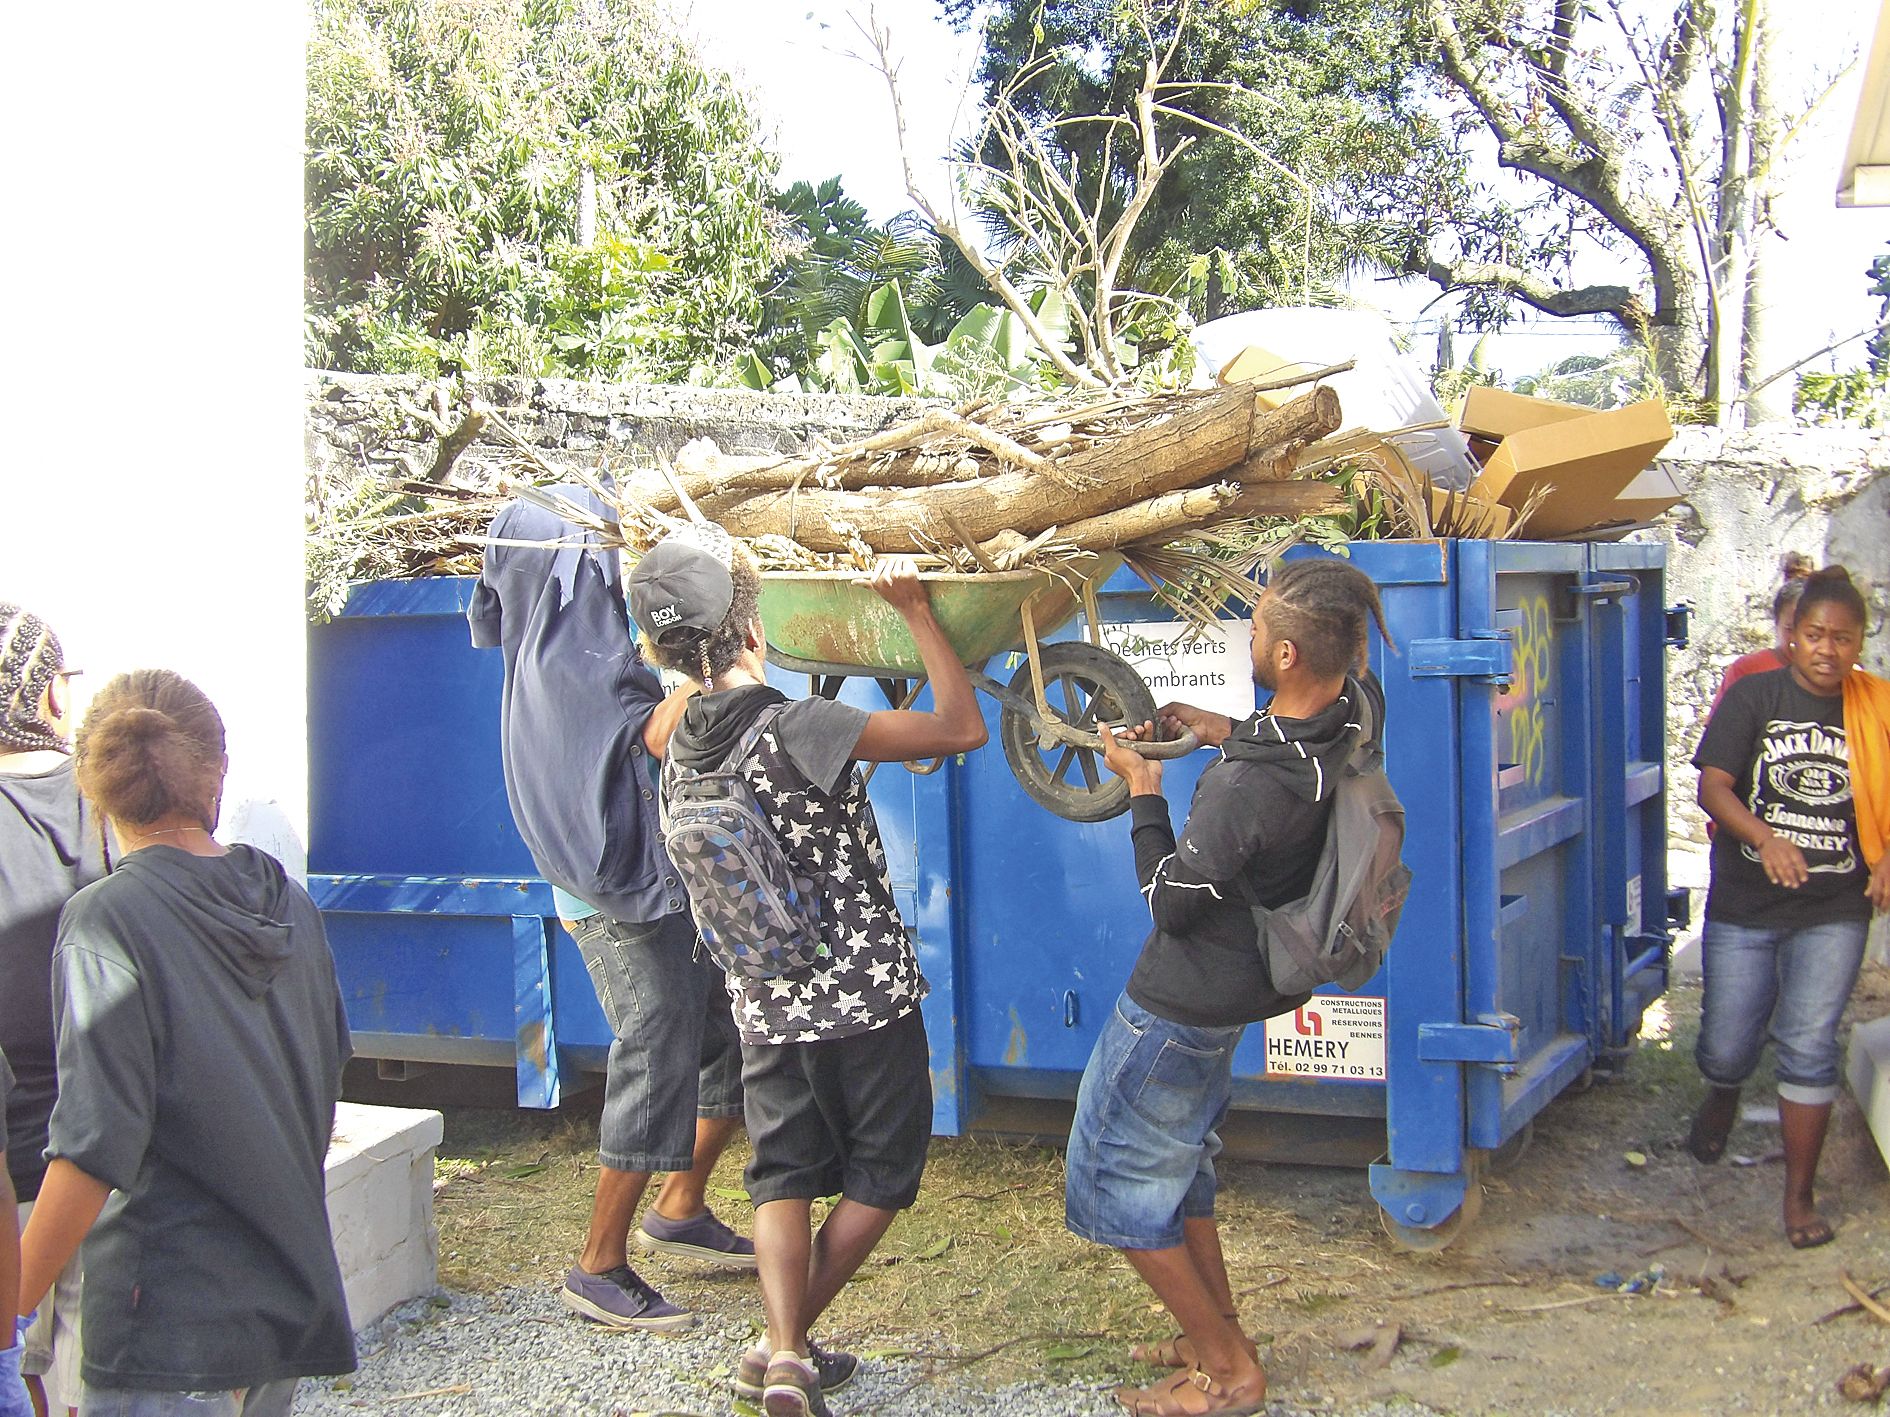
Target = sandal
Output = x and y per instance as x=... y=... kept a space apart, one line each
x=1174 y=1352
x=1178 y=1352
x=1809 y=1237
x=1192 y=1393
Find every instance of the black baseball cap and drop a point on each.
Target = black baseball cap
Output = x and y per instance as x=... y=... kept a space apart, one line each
x=679 y=586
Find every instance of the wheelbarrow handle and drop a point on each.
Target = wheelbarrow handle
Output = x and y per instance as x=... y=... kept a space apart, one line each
x=1168 y=747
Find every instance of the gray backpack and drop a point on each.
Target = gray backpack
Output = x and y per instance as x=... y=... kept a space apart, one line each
x=1338 y=932
x=757 y=918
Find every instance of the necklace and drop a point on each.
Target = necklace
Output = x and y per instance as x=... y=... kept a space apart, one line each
x=172 y=831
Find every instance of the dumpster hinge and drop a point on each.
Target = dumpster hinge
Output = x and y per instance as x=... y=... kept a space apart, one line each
x=1679 y=624
x=1487 y=656
x=1491 y=1040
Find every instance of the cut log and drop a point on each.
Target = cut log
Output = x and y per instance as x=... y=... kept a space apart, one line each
x=871 y=462
x=722 y=479
x=1193 y=446
x=1285 y=499
x=1167 y=513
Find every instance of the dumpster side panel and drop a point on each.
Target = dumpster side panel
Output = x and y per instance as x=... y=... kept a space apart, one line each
x=1631 y=679
x=404 y=739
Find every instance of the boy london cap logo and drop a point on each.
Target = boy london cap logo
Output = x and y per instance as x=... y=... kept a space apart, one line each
x=664 y=615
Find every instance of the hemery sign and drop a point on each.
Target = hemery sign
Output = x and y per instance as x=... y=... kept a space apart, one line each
x=1331 y=1036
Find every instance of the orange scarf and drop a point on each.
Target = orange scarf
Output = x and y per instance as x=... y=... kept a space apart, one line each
x=1867 y=734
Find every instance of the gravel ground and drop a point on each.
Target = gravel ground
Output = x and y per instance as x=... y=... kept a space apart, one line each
x=520 y=1351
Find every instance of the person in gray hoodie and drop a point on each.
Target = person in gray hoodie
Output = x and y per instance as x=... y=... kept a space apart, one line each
x=200 y=1042
x=1140 y=1174
x=51 y=845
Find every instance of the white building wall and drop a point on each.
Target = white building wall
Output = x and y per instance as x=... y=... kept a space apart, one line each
x=153 y=236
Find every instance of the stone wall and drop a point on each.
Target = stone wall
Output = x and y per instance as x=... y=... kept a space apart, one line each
x=353 y=414
x=1750 y=496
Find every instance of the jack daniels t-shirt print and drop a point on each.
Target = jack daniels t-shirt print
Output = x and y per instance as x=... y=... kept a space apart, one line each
x=1785 y=750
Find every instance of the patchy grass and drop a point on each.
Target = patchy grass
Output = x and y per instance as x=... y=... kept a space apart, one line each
x=982 y=1259
x=981 y=1274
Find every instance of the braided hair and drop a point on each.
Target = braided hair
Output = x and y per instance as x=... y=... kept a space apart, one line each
x=30 y=657
x=705 y=654
x=1325 y=606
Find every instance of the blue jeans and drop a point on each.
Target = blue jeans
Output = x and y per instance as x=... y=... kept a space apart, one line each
x=1792 y=982
x=268 y=1400
x=1143 y=1144
x=675 y=1056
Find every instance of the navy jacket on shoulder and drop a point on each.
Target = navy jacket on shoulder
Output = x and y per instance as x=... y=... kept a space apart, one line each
x=577 y=696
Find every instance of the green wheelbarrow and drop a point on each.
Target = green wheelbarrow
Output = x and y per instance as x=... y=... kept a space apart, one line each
x=831 y=626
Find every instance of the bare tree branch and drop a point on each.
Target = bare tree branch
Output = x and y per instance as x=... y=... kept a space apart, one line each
x=948 y=226
x=1531 y=289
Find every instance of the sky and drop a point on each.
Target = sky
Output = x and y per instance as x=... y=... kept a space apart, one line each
x=829 y=114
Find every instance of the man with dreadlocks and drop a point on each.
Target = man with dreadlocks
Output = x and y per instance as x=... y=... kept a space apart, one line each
x=581 y=719
x=50 y=846
x=1142 y=1146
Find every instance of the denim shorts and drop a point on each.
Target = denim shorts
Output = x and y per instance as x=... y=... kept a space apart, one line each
x=676 y=1056
x=1143 y=1144
x=267 y=1400
x=1790 y=984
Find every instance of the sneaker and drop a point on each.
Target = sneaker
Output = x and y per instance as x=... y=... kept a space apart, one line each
x=793 y=1389
x=622 y=1298
x=834 y=1369
x=701 y=1238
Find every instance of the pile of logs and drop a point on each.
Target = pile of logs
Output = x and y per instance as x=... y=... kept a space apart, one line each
x=988 y=486
x=995 y=486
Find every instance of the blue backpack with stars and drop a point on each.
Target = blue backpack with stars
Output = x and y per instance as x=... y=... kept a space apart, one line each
x=756 y=916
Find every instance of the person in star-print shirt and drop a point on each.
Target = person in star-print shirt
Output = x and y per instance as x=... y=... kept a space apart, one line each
x=835 y=1067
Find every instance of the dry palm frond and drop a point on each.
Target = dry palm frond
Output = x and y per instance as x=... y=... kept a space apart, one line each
x=1201 y=574
x=1531 y=505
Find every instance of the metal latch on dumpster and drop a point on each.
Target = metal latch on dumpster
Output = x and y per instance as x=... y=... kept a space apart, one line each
x=1679 y=624
x=1487 y=656
x=1490 y=1040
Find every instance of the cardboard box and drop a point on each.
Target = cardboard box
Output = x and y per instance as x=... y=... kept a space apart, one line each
x=1580 y=462
x=1462 y=515
x=1257 y=366
x=1493 y=414
x=1647 y=496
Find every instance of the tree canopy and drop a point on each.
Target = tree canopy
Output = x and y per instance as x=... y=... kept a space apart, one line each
x=1302 y=111
x=528 y=186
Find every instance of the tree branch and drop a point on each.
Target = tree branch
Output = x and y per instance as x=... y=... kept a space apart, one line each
x=1615 y=300
x=1014 y=299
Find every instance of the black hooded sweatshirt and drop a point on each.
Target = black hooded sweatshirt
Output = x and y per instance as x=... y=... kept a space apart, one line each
x=1254 y=833
x=201 y=1041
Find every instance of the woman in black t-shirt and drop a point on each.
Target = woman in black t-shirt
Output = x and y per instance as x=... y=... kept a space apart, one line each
x=1791 y=895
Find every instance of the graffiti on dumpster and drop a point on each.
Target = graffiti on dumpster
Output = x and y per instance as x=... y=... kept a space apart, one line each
x=1528 y=715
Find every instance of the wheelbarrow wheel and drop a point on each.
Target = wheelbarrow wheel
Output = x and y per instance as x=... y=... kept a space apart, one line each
x=1083 y=685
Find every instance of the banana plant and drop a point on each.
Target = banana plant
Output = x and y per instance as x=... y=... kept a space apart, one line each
x=987 y=352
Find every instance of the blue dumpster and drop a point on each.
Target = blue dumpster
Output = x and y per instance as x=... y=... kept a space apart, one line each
x=1524 y=732
x=445 y=938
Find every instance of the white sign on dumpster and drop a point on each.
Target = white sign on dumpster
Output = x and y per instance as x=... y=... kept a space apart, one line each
x=1333 y=1036
x=1211 y=670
